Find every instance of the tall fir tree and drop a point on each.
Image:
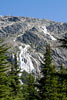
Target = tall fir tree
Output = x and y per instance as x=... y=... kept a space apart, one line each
x=4 y=65
x=61 y=84
x=63 y=70
x=48 y=83
x=14 y=79
x=29 y=91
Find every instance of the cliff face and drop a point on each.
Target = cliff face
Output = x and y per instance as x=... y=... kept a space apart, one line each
x=28 y=37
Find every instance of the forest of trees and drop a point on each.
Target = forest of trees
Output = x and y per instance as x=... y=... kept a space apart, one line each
x=52 y=85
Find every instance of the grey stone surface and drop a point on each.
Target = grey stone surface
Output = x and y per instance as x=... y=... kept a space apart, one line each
x=29 y=31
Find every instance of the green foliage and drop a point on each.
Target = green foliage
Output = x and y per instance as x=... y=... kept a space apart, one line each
x=51 y=86
x=25 y=77
x=61 y=85
x=63 y=73
x=29 y=90
x=14 y=78
x=4 y=87
x=48 y=83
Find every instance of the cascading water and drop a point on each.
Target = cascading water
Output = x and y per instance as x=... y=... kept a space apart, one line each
x=24 y=59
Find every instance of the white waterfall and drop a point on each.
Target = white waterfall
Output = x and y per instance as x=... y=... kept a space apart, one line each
x=24 y=59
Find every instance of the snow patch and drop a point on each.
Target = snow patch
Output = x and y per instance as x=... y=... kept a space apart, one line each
x=44 y=29
x=24 y=59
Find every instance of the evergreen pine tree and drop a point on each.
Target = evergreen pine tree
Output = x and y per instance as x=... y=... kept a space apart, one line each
x=64 y=45
x=61 y=84
x=65 y=77
x=33 y=95
x=29 y=90
x=48 y=83
x=4 y=87
x=15 y=79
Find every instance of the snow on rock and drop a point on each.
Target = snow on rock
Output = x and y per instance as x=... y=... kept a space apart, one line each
x=44 y=29
x=24 y=59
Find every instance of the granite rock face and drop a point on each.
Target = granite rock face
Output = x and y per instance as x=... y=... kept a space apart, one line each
x=28 y=37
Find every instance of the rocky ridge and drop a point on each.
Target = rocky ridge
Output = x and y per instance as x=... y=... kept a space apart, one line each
x=28 y=37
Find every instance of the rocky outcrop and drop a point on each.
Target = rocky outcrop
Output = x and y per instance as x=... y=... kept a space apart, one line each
x=33 y=33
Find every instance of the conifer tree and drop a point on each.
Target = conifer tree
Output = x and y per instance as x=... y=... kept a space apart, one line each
x=33 y=95
x=29 y=90
x=15 y=79
x=61 y=84
x=48 y=83
x=4 y=87
x=64 y=45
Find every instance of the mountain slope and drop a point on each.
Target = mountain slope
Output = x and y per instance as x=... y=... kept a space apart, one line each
x=28 y=37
